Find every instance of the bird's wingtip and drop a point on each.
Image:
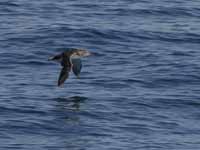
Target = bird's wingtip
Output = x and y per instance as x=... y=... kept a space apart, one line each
x=60 y=85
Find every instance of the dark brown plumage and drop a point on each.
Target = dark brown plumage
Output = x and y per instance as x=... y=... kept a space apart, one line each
x=66 y=60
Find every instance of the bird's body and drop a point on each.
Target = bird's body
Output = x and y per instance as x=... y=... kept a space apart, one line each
x=70 y=60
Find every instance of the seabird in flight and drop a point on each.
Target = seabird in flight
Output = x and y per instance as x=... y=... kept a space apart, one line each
x=69 y=60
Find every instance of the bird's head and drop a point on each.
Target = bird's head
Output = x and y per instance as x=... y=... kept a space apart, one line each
x=80 y=53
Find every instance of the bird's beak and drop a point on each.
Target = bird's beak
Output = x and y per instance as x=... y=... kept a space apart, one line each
x=87 y=53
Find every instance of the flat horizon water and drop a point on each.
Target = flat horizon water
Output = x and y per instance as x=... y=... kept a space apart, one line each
x=139 y=90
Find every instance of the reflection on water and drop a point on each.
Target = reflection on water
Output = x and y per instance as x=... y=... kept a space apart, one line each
x=70 y=103
x=68 y=108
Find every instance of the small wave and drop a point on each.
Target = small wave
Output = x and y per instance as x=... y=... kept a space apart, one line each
x=12 y=4
x=180 y=53
x=20 y=110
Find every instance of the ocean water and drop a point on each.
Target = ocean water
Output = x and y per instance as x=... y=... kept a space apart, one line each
x=139 y=90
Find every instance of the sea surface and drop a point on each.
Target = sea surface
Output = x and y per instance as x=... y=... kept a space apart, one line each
x=140 y=89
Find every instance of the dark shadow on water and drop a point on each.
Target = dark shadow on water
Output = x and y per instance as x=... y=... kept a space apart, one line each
x=71 y=103
x=68 y=109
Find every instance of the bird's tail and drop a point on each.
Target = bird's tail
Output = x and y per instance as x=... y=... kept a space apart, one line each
x=57 y=58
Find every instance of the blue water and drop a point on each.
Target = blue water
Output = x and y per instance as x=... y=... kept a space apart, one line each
x=139 y=90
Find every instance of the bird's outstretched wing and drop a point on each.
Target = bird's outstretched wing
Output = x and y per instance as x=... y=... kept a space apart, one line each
x=64 y=74
x=77 y=65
